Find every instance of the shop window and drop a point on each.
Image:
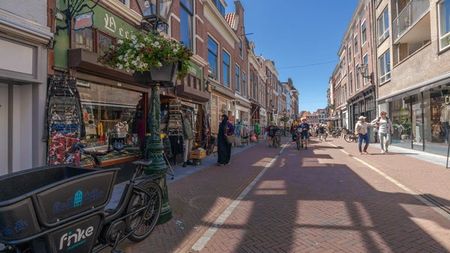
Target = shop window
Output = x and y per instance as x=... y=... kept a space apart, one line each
x=444 y=24
x=114 y=118
x=103 y=42
x=84 y=39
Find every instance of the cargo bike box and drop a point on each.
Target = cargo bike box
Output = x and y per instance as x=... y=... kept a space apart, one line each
x=61 y=204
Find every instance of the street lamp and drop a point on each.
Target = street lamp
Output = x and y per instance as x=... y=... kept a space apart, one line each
x=155 y=13
x=363 y=70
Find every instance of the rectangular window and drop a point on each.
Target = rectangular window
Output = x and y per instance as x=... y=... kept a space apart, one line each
x=241 y=49
x=213 y=48
x=444 y=24
x=226 y=68
x=357 y=78
x=383 y=25
x=244 y=84
x=237 y=74
x=355 y=41
x=385 y=67
x=220 y=7
x=366 y=67
x=103 y=42
x=186 y=29
x=84 y=39
x=350 y=82
x=111 y=109
x=363 y=33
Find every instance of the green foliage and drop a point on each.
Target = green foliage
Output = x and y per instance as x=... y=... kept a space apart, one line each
x=142 y=52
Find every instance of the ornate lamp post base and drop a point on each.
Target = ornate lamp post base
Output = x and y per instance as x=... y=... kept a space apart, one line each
x=154 y=151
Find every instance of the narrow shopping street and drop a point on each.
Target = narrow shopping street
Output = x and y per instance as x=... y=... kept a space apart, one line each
x=324 y=199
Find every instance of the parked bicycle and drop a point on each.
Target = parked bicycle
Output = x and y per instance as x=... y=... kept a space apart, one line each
x=69 y=209
x=351 y=137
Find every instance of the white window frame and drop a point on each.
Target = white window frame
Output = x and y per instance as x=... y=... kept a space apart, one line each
x=381 y=37
x=445 y=36
x=357 y=84
x=367 y=64
x=356 y=47
x=387 y=75
x=363 y=24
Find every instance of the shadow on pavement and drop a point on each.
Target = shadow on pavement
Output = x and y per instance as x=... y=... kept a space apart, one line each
x=323 y=207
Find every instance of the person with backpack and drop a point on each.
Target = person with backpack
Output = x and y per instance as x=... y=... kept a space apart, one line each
x=385 y=130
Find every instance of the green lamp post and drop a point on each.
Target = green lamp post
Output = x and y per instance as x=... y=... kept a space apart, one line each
x=155 y=13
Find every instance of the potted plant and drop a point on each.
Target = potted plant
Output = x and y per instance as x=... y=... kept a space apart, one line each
x=151 y=57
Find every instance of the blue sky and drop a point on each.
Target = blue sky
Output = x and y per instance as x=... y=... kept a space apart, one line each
x=302 y=37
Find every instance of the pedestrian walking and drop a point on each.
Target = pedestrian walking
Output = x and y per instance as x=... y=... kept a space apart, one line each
x=385 y=129
x=257 y=130
x=224 y=141
x=362 y=130
x=237 y=133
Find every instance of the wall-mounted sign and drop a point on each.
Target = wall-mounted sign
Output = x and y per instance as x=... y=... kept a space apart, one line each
x=112 y=24
x=85 y=20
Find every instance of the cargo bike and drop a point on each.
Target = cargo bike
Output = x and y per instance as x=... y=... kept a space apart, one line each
x=70 y=209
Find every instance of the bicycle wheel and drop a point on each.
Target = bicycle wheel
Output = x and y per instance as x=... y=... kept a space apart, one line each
x=141 y=224
x=349 y=138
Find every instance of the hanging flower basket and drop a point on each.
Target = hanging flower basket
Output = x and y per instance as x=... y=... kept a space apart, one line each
x=151 y=57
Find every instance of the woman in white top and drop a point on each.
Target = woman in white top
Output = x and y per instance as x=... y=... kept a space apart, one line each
x=385 y=130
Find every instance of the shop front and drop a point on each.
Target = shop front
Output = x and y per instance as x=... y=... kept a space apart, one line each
x=23 y=84
x=186 y=118
x=362 y=104
x=421 y=118
x=221 y=103
x=110 y=115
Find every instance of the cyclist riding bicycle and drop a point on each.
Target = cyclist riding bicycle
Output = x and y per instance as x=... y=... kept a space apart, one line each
x=271 y=133
x=304 y=128
x=322 y=132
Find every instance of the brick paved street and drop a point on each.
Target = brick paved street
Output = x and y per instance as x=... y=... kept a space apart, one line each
x=318 y=200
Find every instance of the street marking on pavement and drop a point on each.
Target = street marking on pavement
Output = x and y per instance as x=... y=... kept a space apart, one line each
x=398 y=184
x=204 y=239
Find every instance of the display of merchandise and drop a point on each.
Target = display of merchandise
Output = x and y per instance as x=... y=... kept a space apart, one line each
x=64 y=121
x=175 y=124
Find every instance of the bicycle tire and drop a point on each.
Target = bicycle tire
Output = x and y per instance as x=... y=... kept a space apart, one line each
x=348 y=138
x=142 y=224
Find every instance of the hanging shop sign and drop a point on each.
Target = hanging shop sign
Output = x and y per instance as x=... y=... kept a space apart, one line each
x=82 y=21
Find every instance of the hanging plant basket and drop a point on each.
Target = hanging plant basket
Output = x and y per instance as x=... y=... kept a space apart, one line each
x=151 y=57
x=166 y=75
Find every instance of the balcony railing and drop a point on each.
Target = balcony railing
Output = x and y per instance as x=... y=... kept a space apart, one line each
x=409 y=16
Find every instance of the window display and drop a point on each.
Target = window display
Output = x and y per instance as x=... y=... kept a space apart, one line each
x=113 y=118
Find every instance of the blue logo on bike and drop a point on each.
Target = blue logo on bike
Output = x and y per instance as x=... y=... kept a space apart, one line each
x=78 y=199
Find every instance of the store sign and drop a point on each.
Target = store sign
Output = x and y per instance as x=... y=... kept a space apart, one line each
x=84 y=21
x=112 y=24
